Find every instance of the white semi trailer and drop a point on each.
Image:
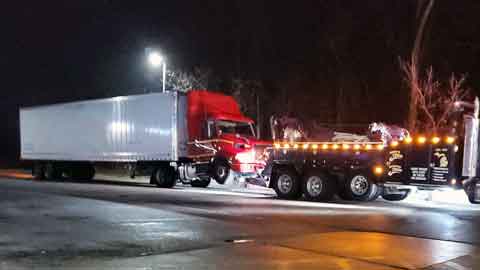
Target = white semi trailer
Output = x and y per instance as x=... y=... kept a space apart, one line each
x=192 y=137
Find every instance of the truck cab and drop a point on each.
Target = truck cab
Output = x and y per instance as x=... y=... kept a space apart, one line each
x=222 y=136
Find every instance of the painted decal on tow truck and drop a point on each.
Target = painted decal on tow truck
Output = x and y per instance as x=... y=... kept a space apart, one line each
x=440 y=164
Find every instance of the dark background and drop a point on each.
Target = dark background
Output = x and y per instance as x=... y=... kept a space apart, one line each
x=305 y=53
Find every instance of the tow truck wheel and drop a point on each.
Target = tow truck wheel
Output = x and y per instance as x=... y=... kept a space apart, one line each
x=201 y=182
x=359 y=187
x=318 y=187
x=286 y=183
x=164 y=177
x=220 y=171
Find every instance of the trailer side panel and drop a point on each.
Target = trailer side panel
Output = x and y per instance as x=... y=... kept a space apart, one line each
x=132 y=128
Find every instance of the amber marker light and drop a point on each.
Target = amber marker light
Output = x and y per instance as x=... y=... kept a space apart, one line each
x=380 y=147
x=408 y=140
x=345 y=146
x=435 y=140
x=314 y=147
x=421 y=140
x=378 y=170
x=305 y=146
x=277 y=145
x=335 y=146
x=368 y=147
x=295 y=146
x=286 y=146
x=394 y=144
x=450 y=140
x=325 y=146
x=356 y=147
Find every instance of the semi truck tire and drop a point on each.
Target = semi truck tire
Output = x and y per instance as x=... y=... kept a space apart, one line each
x=202 y=182
x=38 y=171
x=220 y=171
x=286 y=183
x=52 y=172
x=164 y=177
x=317 y=186
x=359 y=186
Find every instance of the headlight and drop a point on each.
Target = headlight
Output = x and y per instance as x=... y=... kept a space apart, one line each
x=246 y=157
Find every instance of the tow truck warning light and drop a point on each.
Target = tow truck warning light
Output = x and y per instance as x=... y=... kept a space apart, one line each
x=356 y=146
x=315 y=146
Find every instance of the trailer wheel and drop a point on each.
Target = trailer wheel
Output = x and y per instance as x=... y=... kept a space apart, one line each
x=164 y=177
x=286 y=183
x=359 y=186
x=201 y=182
x=220 y=171
x=317 y=186
x=52 y=172
x=38 y=171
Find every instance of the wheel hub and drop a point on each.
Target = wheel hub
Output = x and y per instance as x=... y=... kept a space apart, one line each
x=314 y=186
x=285 y=183
x=221 y=171
x=359 y=185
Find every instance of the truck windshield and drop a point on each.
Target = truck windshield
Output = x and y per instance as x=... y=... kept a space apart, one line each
x=240 y=128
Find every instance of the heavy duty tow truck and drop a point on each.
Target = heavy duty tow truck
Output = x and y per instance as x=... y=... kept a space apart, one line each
x=366 y=170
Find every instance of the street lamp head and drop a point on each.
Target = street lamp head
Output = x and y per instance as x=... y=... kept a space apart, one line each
x=155 y=59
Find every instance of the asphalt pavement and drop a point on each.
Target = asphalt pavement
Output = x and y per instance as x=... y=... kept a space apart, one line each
x=123 y=225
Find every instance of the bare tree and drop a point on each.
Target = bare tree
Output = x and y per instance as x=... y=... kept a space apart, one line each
x=423 y=14
x=200 y=78
x=435 y=102
x=248 y=95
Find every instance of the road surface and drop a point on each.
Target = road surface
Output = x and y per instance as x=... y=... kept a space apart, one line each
x=106 y=225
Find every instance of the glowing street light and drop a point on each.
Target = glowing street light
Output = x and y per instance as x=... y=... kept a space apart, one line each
x=155 y=59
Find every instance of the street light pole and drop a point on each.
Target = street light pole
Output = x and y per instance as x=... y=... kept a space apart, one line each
x=155 y=59
x=164 y=76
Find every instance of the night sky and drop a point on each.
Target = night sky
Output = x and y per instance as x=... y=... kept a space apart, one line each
x=302 y=51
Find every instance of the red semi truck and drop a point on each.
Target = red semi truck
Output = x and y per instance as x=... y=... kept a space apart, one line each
x=192 y=137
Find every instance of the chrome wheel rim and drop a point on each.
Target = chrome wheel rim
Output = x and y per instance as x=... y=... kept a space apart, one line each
x=314 y=186
x=359 y=185
x=285 y=183
x=221 y=171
